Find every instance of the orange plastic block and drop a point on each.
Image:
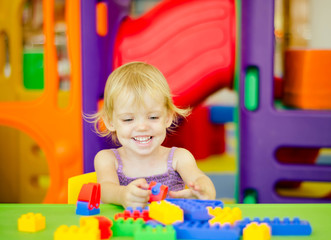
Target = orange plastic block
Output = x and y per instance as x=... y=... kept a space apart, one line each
x=166 y=212
x=76 y=233
x=31 y=222
x=255 y=231
x=224 y=215
x=307 y=82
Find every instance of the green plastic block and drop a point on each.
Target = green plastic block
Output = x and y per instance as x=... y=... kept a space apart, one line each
x=127 y=227
x=151 y=233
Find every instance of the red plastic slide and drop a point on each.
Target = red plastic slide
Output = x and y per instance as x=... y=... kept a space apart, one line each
x=191 y=42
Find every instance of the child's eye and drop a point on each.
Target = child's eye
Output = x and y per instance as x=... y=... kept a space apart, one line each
x=154 y=117
x=127 y=120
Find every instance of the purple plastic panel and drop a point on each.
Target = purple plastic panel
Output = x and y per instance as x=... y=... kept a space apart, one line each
x=97 y=62
x=266 y=129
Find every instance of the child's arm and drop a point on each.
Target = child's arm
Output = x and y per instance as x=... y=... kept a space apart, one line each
x=133 y=195
x=200 y=185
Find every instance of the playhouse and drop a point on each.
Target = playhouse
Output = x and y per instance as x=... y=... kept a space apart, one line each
x=55 y=60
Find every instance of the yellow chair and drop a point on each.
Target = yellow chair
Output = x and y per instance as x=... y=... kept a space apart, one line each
x=75 y=184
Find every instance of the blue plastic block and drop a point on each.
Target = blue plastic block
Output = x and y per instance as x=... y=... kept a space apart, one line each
x=195 y=209
x=221 y=114
x=140 y=209
x=82 y=209
x=202 y=230
x=284 y=227
x=156 y=189
x=153 y=223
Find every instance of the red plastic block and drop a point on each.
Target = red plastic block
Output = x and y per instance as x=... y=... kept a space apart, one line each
x=104 y=226
x=158 y=192
x=90 y=193
x=144 y=214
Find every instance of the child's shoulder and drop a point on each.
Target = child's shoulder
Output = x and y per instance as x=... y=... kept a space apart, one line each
x=182 y=156
x=181 y=152
x=106 y=156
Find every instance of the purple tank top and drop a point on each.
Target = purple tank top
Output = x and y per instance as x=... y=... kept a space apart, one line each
x=171 y=178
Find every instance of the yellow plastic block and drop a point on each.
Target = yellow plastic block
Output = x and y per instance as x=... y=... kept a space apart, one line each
x=31 y=222
x=225 y=215
x=166 y=212
x=89 y=222
x=255 y=231
x=76 y=233
x=75 y=185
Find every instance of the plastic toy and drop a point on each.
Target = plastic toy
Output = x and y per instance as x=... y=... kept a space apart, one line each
x=89 y=199
x=57 y=131
x=195 y=209
x=137 y=213
x=284 y=227
x=76 y=183
x=104 y=226
x=224 y=215
x=158 y=191
x=102 y=223
x=202 y=230
x=166 y=212
x=83 y=209
x=301 y=67
x=31 y=222
x=76 y=233
x=123 y=227
x=280 y=127
x=151 y=233
x=255 y=231
x=90 y=193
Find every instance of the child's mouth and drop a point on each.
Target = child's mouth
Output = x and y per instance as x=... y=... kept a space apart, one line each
x=143 y=140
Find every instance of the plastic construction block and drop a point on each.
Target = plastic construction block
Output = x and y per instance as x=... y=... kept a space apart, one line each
x=255 y=231
x=195 y=209
x=166 y=212
x=153 y=223
x=90 y=193
x=127 y=227
x=158 y=191
x=82 y=209
x=31 y=222
x=202 y=230
x=76 y=233
x=224 y=215
x=130 y=213
x=104 y=226
x=158 y=232
x=284 y=227
x=100 y=222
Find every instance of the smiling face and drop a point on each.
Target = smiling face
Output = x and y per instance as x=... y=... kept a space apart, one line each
x=140 y=128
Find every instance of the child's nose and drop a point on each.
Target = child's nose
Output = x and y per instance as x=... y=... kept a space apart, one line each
x=142 y=124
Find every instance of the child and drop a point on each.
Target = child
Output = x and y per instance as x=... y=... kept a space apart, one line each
x=137 y=112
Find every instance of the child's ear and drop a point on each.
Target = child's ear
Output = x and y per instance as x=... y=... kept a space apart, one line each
x=169 y=120
x=109 y=124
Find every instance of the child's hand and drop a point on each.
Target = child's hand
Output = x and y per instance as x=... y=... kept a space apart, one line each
x=135 y=194
x=194 y=191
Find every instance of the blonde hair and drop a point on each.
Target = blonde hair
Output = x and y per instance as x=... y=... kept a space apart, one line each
x=136 y=78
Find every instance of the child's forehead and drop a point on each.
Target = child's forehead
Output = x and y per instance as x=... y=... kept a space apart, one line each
x=132 y=101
